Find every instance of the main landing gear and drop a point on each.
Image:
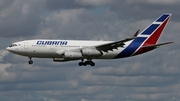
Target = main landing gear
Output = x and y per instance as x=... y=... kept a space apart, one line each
x=89 y=62
x=30 y=61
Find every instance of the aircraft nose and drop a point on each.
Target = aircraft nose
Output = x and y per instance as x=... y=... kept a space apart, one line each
x=7 y=48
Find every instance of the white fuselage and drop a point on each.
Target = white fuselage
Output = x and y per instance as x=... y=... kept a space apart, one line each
x=52 y=48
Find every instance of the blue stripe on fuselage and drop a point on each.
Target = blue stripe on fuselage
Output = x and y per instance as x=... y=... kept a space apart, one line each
x=134 y=45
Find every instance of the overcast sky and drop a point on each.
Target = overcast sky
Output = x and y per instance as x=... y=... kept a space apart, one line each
x=154 y=76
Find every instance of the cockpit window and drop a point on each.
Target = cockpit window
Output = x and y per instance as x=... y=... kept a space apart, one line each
x=13 y=45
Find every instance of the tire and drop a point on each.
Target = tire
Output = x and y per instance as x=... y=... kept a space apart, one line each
x=80 y=63
x=92 y=63
x=30 y=62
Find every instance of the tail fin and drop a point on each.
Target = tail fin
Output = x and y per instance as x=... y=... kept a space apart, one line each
x=152 y=34
x=147 y=37
x=154 y=30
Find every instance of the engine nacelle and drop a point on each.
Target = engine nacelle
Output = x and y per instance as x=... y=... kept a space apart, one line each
x=73 y=55
x=91 y=52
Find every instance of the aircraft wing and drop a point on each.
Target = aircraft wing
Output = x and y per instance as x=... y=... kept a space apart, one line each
x=112 y=45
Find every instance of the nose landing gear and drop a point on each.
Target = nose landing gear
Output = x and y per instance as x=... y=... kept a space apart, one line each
x=30 y=61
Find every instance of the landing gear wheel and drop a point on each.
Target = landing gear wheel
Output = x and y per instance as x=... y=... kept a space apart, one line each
x=86 y=63
x=92 y=63
x=80 y=63
x=30 y=62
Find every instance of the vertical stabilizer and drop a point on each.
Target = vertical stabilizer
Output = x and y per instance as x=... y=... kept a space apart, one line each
x=154 y=30
x=149 y=36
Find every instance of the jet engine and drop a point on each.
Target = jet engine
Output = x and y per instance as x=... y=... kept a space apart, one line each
x=91 y=52
x=73 y=55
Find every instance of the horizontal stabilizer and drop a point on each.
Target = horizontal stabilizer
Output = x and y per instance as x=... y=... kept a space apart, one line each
x=157 y=45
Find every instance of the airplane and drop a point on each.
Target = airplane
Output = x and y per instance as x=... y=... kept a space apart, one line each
x=70 y=50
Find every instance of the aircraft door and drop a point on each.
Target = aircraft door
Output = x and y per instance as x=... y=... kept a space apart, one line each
x=26 y=45
x=51 y=47
x=22 y=46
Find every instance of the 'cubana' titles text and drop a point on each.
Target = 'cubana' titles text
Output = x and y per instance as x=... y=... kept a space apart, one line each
x=51 y=42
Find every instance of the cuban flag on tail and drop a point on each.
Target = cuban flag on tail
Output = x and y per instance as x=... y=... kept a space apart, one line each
x=147 y=39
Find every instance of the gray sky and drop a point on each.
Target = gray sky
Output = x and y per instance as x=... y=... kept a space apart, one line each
x=153 y=76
